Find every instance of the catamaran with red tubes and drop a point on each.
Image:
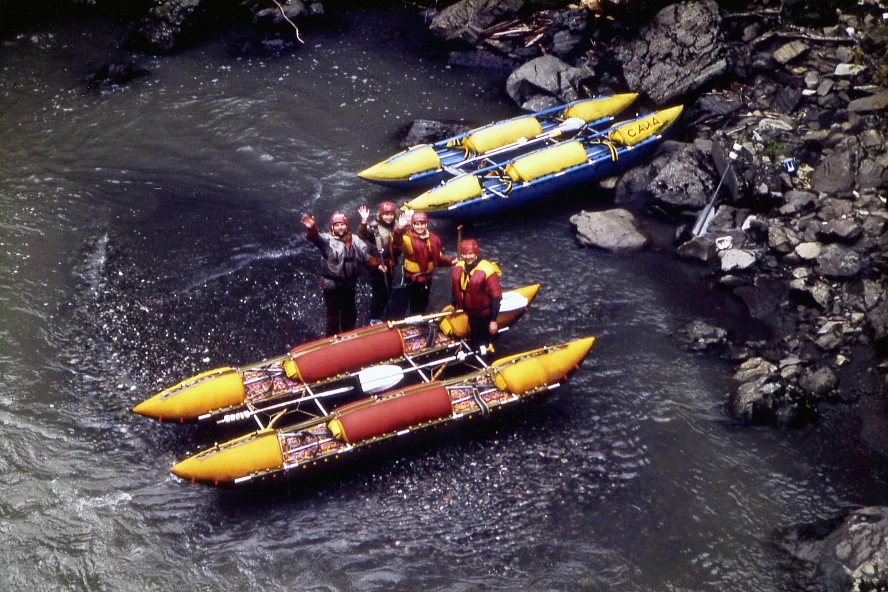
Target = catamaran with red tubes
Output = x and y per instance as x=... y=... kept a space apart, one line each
x=296 y=449
x=322 y=374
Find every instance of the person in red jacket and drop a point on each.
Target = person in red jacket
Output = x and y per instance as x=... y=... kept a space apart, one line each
x=422 y=254
x=476 y=290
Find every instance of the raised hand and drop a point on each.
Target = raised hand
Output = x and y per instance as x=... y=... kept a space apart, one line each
x=406 y=216
x=307 y=221
x=364 y=211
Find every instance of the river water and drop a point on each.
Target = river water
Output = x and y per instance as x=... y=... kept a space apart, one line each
x=149 y=232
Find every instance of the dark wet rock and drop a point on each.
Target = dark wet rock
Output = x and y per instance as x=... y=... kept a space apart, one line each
x=844 y=552
x=118 y=73
x=831 y=208
x=428 y=131
x=564 y=42
x=165 y=23
x=546 y=75
x=877 y=102
x=273 y=16
x=612 y=230
x=839 y=261
x=786 y=99
x=633 y=186
x=712 y=106
x=699 y=336
x=842 y=230
x=835 y=174
x=811 y=292
x=681 y=177
x=782 y=239
x=828 y=342
x=465 y=20
x=679 y=51
x=820 y=382
x=763 y=298
x=763 y=398
x=877 y=319
x=700 y=248
x=798 y=202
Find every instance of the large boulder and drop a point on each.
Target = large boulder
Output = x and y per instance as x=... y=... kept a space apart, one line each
x=465 y=20
x=836 y=173
x=700 y=336
x=613 y=230
x=845 y=552
x=838 y=261
x=548 y=76
x=679 y=179
x=678 y=52
x=163 y=25
x=429 y=131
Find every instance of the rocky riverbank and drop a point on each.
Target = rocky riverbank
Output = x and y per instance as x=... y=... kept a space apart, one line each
x=786 y=108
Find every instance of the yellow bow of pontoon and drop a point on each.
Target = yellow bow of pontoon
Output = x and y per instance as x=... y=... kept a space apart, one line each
x=428 y=164
x=274 y=452
x=318 y=372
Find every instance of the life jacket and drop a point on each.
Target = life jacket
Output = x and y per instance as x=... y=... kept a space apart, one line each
x=474 y=291
x=421 y=256
x=340 y=258
x=384 y=244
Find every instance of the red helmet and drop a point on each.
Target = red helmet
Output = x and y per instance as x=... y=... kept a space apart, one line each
x=419 y=217
x=469 y=245
x=338 y=217
x=387 y=207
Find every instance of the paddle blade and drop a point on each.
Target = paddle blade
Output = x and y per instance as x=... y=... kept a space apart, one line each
x=513 y=301
x=377 y=379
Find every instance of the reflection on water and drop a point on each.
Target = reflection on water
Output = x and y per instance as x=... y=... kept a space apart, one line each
x=151 y=231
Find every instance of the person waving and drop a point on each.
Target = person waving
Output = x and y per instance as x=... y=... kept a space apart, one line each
x=422 y=254
x=341 y=253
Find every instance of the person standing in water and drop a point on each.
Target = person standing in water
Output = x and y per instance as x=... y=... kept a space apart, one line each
x=378 y=234
x=422 y=254
x=476 y=290
x=341 y=253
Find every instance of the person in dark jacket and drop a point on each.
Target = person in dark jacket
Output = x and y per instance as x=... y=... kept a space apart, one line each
x=476 y=290
x=422 y=254
x=377 y=233
x=341 y=254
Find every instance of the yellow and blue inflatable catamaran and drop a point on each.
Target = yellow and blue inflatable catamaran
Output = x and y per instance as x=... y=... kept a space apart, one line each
x=427 y=164
x=531 y=176
x=297 y=449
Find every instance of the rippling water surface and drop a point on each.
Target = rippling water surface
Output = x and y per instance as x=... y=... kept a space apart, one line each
x=151 y=231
